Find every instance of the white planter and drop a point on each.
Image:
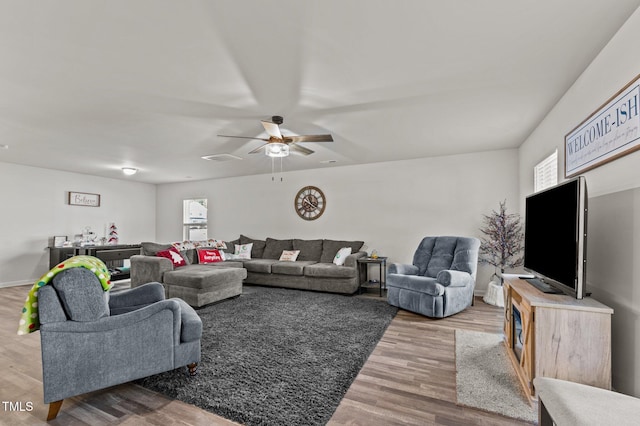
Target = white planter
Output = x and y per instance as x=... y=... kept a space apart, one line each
x=494 y=295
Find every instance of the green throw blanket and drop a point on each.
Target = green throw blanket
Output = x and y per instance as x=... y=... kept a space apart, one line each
x=29 y=321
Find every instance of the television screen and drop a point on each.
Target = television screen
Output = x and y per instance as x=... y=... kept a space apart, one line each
x=555 y=240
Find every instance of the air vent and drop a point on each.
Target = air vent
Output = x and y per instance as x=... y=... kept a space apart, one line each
x=221 y=157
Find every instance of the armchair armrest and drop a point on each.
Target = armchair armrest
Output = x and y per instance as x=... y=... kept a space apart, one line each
x=135 y=298
x=146 y=269
x=119 y=321
x=403 y=269
x=449 y=278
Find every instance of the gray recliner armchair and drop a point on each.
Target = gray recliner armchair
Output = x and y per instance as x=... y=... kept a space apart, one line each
x=441 y=280
x=92 y=339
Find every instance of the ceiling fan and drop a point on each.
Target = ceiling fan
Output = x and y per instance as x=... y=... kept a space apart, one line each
x=278 y=145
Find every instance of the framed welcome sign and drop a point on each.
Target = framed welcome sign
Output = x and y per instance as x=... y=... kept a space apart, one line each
x=609 y=133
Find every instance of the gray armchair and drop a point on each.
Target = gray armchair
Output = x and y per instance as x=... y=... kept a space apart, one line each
x=93 y=339
x=441 y=280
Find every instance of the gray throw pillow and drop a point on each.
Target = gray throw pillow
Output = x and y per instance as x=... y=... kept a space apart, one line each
x=81 y=294
x=309 y=249
x=231 y=246
x=257 y=250
x=150 y=249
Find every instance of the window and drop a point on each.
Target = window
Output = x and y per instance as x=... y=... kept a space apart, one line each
x=545 y=173
x=194 y=219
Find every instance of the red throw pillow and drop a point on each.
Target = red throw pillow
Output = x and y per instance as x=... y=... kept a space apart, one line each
x=173 y=255
x=209 y=256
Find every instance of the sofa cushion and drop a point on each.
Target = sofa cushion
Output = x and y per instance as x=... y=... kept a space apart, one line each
x=290 y=268
x=203 y=276
x=259 y=265
x=230 y=264
x=330 y=248
x=150 y=249
x=81 y=294
x=309 y=249
x=329 y=270
x=274 y=248
x=257 y=249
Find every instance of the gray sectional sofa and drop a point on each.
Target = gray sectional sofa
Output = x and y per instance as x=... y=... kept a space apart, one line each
x=201 y=284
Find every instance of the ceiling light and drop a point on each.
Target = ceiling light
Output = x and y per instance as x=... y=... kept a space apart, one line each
x=129 y=171
x=276 y=149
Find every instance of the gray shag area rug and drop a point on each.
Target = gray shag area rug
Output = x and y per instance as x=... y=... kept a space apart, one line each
x=278 y=356
x=485 y=378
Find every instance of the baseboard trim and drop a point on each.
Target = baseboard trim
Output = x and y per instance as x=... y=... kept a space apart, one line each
x=15 y=283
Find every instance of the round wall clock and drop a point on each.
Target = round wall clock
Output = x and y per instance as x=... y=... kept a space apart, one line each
x=310 y=203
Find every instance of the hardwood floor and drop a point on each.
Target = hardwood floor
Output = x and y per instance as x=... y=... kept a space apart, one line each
x=409 y=379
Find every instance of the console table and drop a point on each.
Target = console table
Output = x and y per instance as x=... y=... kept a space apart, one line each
x=113 y=256
x=557 y=336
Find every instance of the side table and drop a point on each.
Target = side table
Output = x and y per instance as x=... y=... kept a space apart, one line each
x=382 y=264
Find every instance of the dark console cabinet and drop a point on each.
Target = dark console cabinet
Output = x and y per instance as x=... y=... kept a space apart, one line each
x=113 y=256
x=59 y=254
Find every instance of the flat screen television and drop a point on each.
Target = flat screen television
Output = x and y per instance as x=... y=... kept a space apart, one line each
x=555 y=238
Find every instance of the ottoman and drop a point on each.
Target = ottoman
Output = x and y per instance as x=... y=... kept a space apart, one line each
x=199 y=285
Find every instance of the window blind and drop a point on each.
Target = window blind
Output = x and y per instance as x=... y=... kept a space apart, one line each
x=545 y=173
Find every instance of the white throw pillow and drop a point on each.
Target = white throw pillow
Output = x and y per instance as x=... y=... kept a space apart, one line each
x=289 y=255
x=341 y=255
x=243 y=251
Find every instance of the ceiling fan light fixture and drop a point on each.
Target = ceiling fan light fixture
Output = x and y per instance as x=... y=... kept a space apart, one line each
x=276 y=149
x=129 y=171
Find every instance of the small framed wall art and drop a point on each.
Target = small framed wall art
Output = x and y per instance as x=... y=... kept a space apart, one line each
x=84 y=199
x=59 y=240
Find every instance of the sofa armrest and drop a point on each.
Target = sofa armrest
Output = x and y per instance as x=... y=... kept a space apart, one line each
x=352 y=259
x=403 y=269
x=449 y=278
x=146 y=269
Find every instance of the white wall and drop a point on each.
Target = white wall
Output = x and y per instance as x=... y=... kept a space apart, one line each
x=34 y=208
x=614 y=207
x=391 y=206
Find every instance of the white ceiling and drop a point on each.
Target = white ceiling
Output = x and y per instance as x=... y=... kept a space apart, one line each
x=93 y=86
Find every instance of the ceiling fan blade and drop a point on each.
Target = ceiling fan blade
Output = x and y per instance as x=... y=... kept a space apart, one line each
x=272 y=129
x=258 y=149
x=300 y=149
x=309 y=138
x=243 y=137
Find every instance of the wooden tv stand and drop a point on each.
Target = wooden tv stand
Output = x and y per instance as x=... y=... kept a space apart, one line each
x=562 y=337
